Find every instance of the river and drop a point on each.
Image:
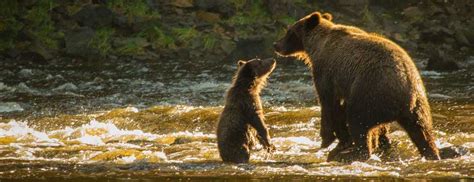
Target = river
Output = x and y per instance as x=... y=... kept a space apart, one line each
x=156 y=120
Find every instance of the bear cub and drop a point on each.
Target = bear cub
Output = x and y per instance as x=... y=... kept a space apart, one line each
x=243 y=113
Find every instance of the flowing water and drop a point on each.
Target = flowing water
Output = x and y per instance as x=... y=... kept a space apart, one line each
x=156 y=121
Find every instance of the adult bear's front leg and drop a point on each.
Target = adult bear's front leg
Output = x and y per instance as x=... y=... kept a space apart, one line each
x=326 y=100
x=360 y=150
x=326 y=130
x=339 y=126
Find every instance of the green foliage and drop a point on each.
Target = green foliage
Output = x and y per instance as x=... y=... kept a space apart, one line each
x=209 y=41
x=9 y=8
x=102 y=40
x=257 y=13
x=239 y=4
x=74 y=7
x=41 y=25
x=288 y=20
x=367 y=16
x=249 y=14
x=158 y=37
x=164 y=40
x=186 y=33
x=132 y=8
x=9 y=28
x=132 y=46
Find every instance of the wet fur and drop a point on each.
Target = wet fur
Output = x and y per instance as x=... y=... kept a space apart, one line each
x=374 y=77
x=242 y=122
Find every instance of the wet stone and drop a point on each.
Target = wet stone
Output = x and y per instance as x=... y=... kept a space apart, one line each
x=4 y=87
x=23 y=88
x=25 y=73
x=10 y=107
x=6 y=73
x=66 y=87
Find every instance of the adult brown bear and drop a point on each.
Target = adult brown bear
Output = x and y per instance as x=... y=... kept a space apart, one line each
x=364 y=81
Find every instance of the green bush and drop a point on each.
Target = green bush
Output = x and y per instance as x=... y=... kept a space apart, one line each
x=132 y=8
x=186 y=33
x=41 y=25
x=9 y=28
x=209 y=41
x=9 y=25
x=132 y=46
x=102 y=40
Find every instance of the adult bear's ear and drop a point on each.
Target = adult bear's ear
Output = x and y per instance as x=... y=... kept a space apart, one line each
x=327 y=16
x=241 y=62
x=312 y=21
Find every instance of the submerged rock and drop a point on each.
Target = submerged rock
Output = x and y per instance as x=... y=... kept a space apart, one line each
x=23 y=88
x=10 y=107
x=66 y=87
x=25 y=73
x=6 y=88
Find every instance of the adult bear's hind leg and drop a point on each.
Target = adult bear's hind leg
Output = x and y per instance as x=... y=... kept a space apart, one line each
x=421 y=135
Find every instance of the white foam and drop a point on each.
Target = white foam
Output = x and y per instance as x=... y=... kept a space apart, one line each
x=296 y=140
x=126 y=159
x=91 y=140
x=22 y=131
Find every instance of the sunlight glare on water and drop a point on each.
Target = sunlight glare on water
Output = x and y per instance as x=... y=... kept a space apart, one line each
x=147 y=131
x=190 y=146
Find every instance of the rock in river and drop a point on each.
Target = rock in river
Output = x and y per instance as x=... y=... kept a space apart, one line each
x=10 y=107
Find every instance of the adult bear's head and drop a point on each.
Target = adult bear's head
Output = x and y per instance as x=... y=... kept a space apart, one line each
x=292 y=43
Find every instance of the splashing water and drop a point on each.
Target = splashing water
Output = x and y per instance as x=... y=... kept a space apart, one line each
x=169 y=133
x=180 y=140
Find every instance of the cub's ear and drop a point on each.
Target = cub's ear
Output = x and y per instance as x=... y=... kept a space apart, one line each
x=312 y=21
x=241 y=62
x=327 y=16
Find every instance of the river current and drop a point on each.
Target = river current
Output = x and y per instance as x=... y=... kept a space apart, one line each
x=141 y=120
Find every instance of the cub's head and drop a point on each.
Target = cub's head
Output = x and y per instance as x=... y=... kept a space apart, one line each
x=293 y=42
x=256 y=68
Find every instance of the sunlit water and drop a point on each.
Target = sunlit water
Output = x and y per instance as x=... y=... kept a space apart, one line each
x=167 y=131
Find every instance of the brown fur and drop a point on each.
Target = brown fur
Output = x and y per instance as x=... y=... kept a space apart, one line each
x=243 y=111
x=363 y=81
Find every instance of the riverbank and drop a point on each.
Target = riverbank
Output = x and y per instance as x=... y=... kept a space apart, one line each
x=440 y=34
